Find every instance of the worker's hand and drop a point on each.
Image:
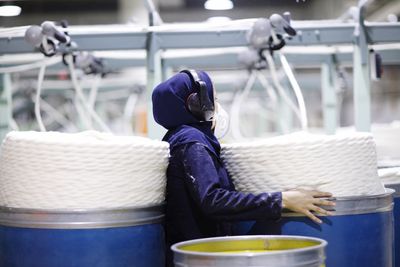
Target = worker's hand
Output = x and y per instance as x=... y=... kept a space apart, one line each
x=305 y=201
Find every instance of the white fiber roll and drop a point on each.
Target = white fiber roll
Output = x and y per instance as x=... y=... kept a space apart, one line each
x=387 y=138
x=389 y=175
x=52 y=170
x=344 y=165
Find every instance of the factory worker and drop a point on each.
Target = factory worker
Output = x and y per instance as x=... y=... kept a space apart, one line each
x=201 y=200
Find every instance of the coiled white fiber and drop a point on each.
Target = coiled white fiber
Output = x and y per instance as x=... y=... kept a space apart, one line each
x=52 y=170
x=387 y=139
x=344 y=165
x=389 y=175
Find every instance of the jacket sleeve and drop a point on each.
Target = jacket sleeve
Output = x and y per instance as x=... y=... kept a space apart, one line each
x=203 y=182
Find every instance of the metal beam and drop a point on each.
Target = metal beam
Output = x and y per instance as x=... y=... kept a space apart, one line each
x=361 y=77
x=329 y=98
x=201 y=39
x=123 y=38
x=314 y=33
x=5 y=105
x=154 y=77
x=230 y=60
x=318 y=34
x=383 y=32
x=226 y=60
x=87 y=38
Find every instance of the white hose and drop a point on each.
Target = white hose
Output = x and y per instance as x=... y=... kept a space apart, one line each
x=93 y=95
x=279 y=87
x=268 y=88
x=237 y=101
x=38 y=116
x=296 y=89
x=81 y=97
x=14 y=125
x=128 y=111
x=72 y=108
x=30 y=66
x=93 y=90
x=84 y=117
x=57 y=116
x=275 y=38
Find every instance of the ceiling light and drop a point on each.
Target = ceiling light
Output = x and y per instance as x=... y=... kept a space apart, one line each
x=10 y=11
x=218 y=19
x=218 y=4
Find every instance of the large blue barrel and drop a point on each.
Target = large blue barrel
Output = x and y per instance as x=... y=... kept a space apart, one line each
x=82 y=238
x=396 y=211
x=359 y=234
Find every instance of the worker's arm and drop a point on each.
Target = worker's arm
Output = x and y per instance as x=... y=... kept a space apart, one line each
x=201 y=178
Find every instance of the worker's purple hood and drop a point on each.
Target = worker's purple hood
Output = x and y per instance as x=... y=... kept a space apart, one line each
x=169 y=110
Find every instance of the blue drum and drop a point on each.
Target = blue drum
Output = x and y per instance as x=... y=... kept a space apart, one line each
x=82 y=238
x=359 y=234
x=396 y=211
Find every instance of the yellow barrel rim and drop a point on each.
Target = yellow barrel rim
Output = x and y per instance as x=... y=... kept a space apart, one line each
x=249 y=245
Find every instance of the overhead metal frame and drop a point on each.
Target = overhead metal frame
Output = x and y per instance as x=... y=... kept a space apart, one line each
x=182 y=38
x=315 y=34
x=329 y=88
x=155 y=39
x=230 y=59
x=359 y=34
x=5 y=105
x=361 y=74
x=113 y=38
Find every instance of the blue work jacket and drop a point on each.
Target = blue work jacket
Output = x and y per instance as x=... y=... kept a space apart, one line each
x=202 y=201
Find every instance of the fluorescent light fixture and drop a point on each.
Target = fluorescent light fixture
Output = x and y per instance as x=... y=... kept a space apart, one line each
x=218 y=4
x=219 y=19
x=9 y=11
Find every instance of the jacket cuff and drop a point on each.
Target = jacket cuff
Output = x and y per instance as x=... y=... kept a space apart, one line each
x=274 y=205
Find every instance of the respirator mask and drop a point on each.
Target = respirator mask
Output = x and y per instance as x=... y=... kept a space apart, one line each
x=221 y=118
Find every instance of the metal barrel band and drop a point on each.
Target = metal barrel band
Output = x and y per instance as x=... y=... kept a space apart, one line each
x=358 y=205
x=80 y=219
x=394 y=186
x=340 y=213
